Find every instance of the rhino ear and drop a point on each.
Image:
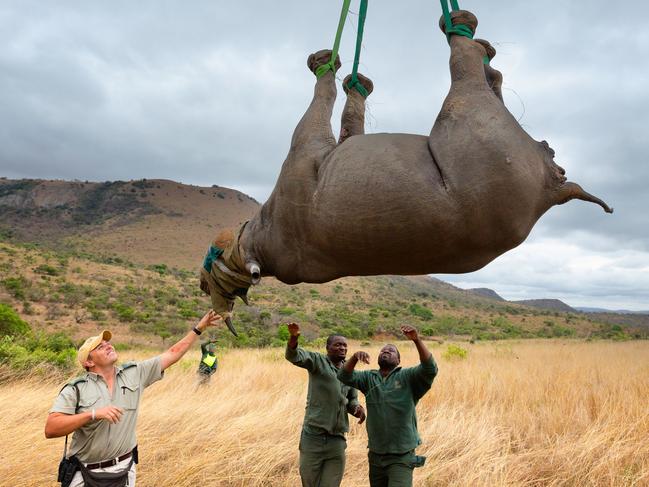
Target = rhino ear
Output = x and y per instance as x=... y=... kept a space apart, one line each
x=205 y=287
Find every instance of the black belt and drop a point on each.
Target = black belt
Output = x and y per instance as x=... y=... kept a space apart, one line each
x=109 y=463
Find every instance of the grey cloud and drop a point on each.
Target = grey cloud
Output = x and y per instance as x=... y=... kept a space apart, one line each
x=209 y=93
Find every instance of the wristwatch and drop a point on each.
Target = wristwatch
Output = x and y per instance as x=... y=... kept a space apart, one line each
x=196 y=330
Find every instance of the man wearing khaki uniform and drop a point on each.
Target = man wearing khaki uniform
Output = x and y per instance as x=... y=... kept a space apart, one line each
x=101 y=407
x=322 y=442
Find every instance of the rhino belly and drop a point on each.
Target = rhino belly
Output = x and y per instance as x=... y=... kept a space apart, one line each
x=381 y=207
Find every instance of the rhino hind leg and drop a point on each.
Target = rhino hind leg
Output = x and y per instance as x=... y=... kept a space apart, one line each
x=353 y=116
x=313 y=133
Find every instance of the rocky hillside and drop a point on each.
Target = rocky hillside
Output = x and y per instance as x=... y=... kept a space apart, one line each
x=145 y=221
x=81 y=254
x=147 y=305
x=550 y=304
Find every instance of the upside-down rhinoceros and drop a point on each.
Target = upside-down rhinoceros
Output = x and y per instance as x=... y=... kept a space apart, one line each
x=396 y=203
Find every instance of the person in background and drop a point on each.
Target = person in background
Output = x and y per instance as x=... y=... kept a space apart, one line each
x=208 y=364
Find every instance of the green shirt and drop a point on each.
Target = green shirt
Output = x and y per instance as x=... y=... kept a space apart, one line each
x=328 y=400
x=100 y=440
x=391 y=401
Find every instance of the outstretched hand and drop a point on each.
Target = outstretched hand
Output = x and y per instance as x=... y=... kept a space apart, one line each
x=294 y=329
x=362 y=357
x=211 y=318
x=410 y=332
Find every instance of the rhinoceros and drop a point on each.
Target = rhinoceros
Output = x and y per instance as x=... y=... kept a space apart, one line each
x=392 y=203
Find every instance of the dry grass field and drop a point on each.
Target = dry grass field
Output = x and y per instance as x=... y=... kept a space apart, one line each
x=532 y=413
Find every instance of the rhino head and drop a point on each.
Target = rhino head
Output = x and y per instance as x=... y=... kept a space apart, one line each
x=225 y=276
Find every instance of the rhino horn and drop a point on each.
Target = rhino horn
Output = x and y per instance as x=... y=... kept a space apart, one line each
x=571 y=191
x=244 y=296
x=228 y=321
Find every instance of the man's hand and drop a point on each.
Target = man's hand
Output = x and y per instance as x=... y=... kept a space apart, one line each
x=410 y=332
x=354 y=359
x=112 y=414
x=362 y=357
x=360 y=414
x=294 y=329
x=294 y=334
x=211 y=318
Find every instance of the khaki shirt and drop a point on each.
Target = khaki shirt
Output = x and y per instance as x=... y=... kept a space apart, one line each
x=328 y=400
x=101 y=440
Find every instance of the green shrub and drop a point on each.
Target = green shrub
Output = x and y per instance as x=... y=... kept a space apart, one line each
x=420 y=311
x=39 y=352
x=454 y=352
x=124 y=313
x=16 y=286
x=283 y=333
x=161 y=269
x=47 y=270
x=10 y=323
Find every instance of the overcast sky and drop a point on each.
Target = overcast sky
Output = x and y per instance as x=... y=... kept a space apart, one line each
x=209 y=92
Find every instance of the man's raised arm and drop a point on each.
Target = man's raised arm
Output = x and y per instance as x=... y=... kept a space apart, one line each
x=351 y=363
x=348 y=376
x=411 y=334
x=175 y=353
x=296 y=355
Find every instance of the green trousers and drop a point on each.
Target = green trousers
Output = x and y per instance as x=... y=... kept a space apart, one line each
x=393 y=470
x=322 y=459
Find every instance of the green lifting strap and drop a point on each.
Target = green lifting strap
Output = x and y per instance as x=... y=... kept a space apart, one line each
x=321 y=70
x=459 y=29
x=353 y=82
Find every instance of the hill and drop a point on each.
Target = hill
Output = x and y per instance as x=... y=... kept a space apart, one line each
x=146 y=305
x=550 y=304
x=145 y=221
x=80 y=255
x=487 y=293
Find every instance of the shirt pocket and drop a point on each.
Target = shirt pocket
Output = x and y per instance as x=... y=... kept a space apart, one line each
x=128 y=396
x=89 y=402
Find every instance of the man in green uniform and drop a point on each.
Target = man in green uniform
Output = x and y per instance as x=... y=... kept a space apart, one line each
x=208 y=364
x=322 y=442
x=392 y=394
x=100 y=408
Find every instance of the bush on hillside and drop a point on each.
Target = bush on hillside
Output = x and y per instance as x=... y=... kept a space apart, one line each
x=420 y=311
x=16 y=286
x=10 y=323
x=38 y=352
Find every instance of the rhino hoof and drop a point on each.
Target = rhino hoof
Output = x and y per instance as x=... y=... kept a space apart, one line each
x=319 y=58
x=491 y=50
x=363 y=80
x=460 y=17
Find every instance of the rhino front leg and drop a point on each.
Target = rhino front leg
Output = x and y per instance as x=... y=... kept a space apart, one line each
x=493 y=76
x=353 y=117
x=468 y=56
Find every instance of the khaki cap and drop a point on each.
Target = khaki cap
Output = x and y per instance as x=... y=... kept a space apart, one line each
x=90 y=344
